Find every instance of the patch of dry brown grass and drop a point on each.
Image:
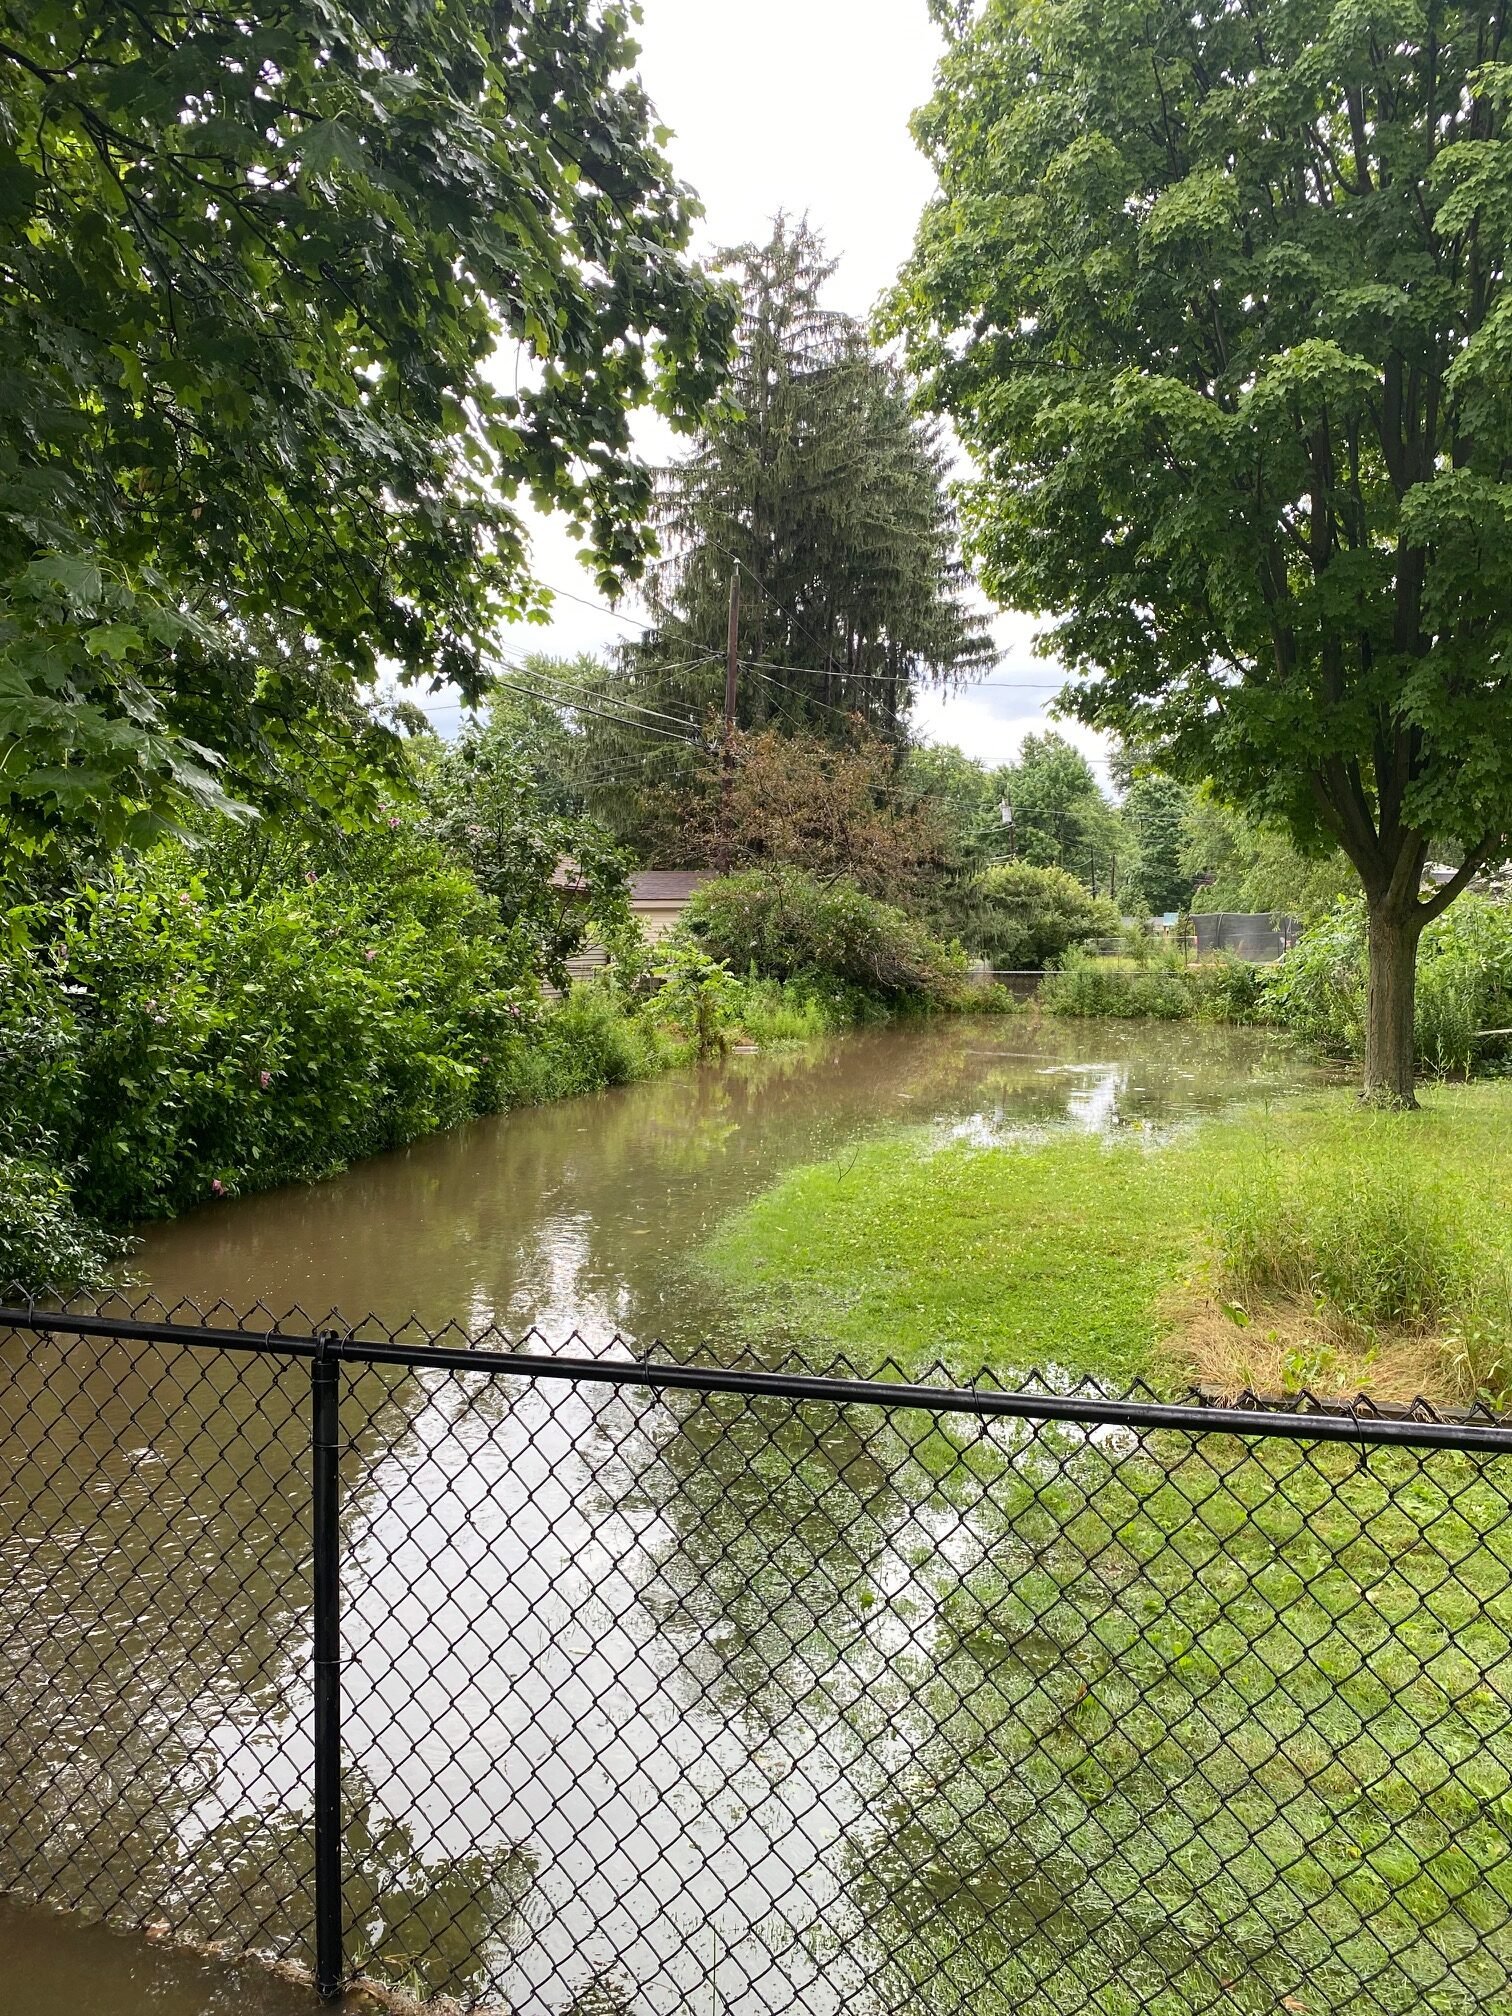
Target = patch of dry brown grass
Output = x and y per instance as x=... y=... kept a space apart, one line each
x=1291 y=1347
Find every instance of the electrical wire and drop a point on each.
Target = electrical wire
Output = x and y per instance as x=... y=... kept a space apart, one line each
x=812 y=671
x=894 y=678
x=745 y=567
x=569 y=685
x=599 y=608
x=570 y=695
x=599 y=713
x=809 y=699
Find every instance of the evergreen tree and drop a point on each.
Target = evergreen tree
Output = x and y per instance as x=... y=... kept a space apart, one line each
x=820 y=487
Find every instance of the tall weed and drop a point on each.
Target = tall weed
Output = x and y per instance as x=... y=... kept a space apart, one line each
x=1370 y=1244
x=1116 y=989
x=1354 y=1248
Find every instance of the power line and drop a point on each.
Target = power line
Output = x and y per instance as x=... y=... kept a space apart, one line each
x=569 y=685
x=598 y=607
x=776 y=602
x=809 y=699
x=893 y=678
x=570 y=697
x=784 y=711
x=599 y=713
x=770 y=665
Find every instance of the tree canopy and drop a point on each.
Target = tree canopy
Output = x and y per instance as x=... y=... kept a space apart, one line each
x=1217 y=299
x=1250 y=864
x=298 y=303
x=1054 y=813
x=1155 y=811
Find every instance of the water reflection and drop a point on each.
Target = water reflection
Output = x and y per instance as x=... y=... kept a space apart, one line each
x=582 y=1215
x=628 y=1680
x=646 y=1636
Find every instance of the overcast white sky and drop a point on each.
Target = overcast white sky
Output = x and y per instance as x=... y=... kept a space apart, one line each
x=804 y=105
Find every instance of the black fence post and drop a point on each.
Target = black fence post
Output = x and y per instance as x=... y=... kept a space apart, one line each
x=325 y=1415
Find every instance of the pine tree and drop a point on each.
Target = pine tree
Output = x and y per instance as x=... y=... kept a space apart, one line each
x=822 y=488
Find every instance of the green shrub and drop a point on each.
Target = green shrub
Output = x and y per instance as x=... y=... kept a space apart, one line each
x=695 y=995
x=1016 y=915
x=783 y=925
x=1464 y=984
x=590 y=1040
x=45 y=1241
x=1223 y=989
x=238 y=1045
x=1115 y=988
x=205 y=1046
x=797 y=1011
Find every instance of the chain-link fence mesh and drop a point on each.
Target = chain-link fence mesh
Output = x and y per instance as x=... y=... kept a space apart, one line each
x=154 y=1636
x=725 y=1697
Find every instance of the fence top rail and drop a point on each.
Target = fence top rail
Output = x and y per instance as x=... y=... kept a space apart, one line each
x=1310 y=1420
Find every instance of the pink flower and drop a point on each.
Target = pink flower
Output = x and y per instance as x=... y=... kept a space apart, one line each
x=217 y=1188
x=394 y=825
x=265 y=1079
x=370 y=954
x=310 y=877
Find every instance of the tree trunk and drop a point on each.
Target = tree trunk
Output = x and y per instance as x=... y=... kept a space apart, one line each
x=1392 y=989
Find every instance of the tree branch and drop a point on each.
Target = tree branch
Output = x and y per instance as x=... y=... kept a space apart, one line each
x=1468 y=869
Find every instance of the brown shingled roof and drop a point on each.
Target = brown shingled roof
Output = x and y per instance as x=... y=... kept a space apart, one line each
x=667 y=885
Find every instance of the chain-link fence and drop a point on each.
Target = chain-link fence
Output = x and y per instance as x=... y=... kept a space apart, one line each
x=554 y=1684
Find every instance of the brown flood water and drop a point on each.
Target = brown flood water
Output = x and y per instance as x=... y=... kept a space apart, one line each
x=582 y=1217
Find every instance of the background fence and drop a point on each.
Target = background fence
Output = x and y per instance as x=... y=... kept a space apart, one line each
x=563 y=1684
x=1255 y=935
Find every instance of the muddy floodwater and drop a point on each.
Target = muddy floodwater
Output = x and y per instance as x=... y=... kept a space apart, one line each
x=587 y=1707
x=581 y=1215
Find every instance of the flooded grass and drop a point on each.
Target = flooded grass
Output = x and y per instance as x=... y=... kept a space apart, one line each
x=911 y=1715
x=1211 y=1727
x=1308 y=1242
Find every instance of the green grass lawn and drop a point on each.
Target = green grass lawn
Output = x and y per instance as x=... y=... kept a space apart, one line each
x=1198 y=1724
x=1162 y=1725
x=1211 y=1727
x=1068 y=1251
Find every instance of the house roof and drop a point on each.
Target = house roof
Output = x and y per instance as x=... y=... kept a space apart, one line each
x=667 y=885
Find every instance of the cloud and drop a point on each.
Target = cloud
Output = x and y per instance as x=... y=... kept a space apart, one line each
x=989 y=726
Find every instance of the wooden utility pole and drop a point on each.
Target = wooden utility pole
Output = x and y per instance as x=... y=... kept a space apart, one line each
x=732 y=667
x=727 y=743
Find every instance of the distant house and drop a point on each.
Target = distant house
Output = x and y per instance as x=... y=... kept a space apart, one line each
x=569 y=881
x=659 y=896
